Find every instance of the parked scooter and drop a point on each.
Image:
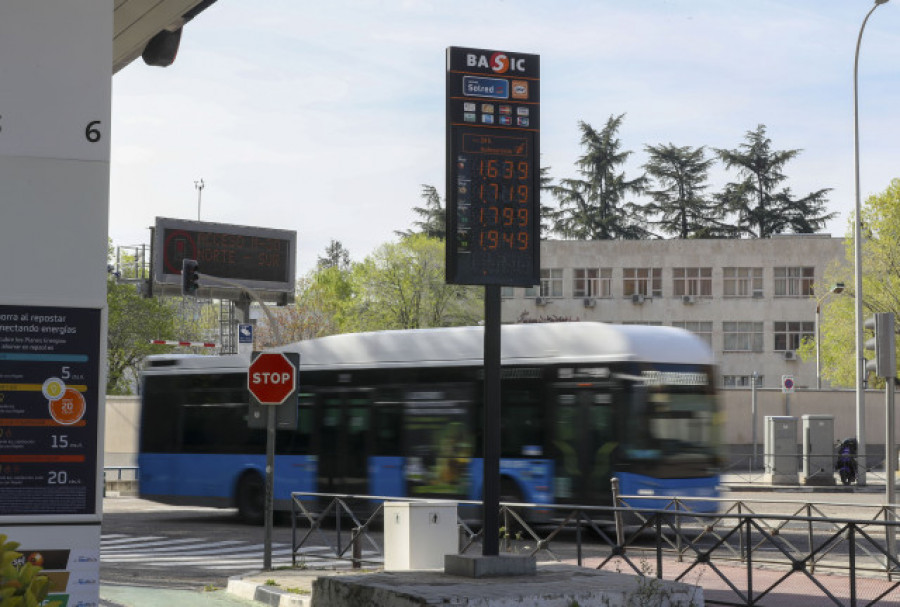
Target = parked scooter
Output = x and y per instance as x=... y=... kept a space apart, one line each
x=846 y=460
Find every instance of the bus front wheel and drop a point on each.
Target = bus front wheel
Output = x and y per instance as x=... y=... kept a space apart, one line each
x=250 y=498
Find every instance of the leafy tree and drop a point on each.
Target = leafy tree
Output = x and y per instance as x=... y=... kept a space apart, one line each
x=881 y=287
x=595 y=206
x=402 y=286
x=133 y=322
x=680 y=174
x=319 y=305
x=760 y=207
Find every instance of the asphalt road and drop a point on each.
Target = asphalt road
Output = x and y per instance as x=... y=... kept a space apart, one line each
x=155 y=545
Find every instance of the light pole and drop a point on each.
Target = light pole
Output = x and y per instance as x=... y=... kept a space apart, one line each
x=857 y=255
x=200 y=185
x=836 y=288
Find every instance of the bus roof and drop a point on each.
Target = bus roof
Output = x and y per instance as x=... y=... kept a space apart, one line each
x=521 y=344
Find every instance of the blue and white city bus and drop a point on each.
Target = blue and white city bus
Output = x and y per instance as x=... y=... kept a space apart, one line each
x=399 y=413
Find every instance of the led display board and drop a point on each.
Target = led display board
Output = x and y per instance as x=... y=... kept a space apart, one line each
x=261 y=259
x=493 y=172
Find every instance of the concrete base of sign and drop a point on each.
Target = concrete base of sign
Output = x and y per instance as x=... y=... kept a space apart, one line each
x=478 y=566
x=551 y=586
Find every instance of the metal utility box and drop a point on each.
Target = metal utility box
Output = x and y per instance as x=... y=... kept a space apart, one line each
x=417 y=535
x=781 y=461
x=818 y=449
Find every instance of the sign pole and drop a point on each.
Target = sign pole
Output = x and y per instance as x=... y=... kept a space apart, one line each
x=272 y=380
x=270 y=487
x=493 y=212
x=491 y=494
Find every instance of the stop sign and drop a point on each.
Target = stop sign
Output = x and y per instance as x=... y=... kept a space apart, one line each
x=271 y=378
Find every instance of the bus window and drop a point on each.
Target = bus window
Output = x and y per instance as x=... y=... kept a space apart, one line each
x=521 y=422
x=388 y=435
x=298 y=441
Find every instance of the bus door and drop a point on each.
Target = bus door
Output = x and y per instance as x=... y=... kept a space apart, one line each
x=344 y=420
x=584 y=441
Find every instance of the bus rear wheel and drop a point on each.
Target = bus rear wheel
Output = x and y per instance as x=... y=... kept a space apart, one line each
x=250 y=498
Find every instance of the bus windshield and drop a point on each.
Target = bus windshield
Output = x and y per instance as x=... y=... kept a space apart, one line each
x=667 y=423
x=678 y=423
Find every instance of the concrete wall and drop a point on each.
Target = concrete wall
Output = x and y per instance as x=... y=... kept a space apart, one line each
x=123 y=417
x=737 y=407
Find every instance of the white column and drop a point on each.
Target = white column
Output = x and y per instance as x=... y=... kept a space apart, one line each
x=55 y=86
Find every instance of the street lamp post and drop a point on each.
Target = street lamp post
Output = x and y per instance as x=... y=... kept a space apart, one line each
x=857 y=255
x=835 y=288
x=199 y=185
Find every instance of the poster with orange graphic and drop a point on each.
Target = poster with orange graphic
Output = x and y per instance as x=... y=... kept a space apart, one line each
x=49 y=410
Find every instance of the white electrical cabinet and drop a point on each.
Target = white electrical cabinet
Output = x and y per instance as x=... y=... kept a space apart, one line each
x=417 y=535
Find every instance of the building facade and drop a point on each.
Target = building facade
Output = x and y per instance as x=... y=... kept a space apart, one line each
x=753 y=300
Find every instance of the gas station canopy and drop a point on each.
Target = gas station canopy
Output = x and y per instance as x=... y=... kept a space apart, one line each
x=151 y=29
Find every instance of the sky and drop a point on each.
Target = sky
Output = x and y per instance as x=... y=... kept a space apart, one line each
x=326 y=118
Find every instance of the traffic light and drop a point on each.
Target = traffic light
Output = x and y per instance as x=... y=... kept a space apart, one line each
x=885 y=362
x=190 y=277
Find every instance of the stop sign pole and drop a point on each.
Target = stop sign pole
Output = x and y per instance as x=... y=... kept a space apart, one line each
x=272 y=380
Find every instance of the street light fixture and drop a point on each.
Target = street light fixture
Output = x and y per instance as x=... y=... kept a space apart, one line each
x=857 y=255
x=836 y=288
x=199 y=185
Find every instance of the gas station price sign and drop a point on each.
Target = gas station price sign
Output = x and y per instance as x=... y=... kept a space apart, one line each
x=493 y=172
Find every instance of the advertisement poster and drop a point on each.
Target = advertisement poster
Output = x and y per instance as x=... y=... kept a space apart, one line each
x=441 y=443
x=49 y=410
x=53 y=562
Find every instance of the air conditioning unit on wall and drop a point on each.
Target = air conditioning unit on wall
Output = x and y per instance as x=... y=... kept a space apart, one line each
x=790 y=355
x=589 y=302
x=688 y=299
x=637 y=298
x=540 y=301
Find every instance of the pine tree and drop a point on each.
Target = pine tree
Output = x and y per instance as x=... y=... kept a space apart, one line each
x=595 y=206
x=760 y=207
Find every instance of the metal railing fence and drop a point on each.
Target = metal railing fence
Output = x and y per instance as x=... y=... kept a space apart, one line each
x=741 y=555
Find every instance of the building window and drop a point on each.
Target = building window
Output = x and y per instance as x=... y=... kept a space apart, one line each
x=789 y=335
x=552 y=282
x=794 y=282
x=507 y=292
x=701 y=329
x=643 y=323
x=741 y=381
x=743 y=336
x=592 y=282
x=531 y=291
x=743 y=282
x=642 y=281
x=692 y=281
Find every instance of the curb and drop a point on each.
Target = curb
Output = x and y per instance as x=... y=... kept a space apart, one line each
x=267 y=595
x=750 y=487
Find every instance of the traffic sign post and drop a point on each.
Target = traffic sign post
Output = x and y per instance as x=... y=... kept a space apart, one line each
x=272 y=381
x=787 y=388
